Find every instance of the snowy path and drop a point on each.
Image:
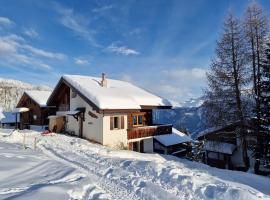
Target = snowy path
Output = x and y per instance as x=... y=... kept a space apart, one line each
x=97 y=172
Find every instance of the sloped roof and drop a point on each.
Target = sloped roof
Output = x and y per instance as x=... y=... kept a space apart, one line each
x=220 y=147
x=176 y=137
x=40 y=97
x=117 y=95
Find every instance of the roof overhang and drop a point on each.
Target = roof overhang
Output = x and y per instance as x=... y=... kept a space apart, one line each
x=20 y=110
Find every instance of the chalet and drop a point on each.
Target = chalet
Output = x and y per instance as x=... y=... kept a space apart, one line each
x=112 y=112
x=36 y=115
x=223 y=146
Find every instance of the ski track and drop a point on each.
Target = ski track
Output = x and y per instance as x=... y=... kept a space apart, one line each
x=100 y=173
x=121 y=178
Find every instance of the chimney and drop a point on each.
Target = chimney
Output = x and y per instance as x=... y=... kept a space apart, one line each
x=103 y=80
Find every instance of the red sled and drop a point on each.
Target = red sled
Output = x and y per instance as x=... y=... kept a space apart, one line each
x=46 y=133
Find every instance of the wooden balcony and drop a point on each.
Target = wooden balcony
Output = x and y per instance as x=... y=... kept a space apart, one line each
x=147 y=131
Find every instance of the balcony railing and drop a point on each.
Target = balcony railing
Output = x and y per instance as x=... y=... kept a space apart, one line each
x=147 y=131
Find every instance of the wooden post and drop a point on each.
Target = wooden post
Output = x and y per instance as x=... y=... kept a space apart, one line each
x=24 y=146
x=35 y=143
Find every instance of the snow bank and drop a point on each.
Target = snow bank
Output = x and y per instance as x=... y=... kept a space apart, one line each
x=131 y=175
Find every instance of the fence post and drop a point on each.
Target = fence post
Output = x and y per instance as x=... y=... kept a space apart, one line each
x=35 y=143
x=24 y=141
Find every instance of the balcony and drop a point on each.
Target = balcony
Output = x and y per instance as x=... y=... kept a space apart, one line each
x=148 y=131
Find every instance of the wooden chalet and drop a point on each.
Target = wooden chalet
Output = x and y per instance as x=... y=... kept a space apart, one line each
x=109 y=112
x=37 y=116
x=224 y=148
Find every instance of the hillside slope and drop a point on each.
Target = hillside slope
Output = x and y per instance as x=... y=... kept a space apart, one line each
x=12 y=90
x=91 y=171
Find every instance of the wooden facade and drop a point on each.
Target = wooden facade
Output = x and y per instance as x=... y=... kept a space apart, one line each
x=229 y=134
x=61 y=98
x=37 y=115
x=148 y=131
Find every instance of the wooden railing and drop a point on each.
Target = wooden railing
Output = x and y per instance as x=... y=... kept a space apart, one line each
x=147 y=131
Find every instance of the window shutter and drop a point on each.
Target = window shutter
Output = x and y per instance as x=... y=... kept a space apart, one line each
x=111 y=123
x=122 y=122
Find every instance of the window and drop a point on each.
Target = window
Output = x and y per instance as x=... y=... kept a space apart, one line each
x=117 y=122
x=73 y=94
x=137 y=120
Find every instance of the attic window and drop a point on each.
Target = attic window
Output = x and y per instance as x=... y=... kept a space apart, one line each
x=73 y=94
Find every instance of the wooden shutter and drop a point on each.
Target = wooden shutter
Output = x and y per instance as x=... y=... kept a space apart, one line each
x=111 y=123
x=122 y=122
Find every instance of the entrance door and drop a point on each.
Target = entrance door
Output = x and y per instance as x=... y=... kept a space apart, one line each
x=138 y=146
x=135 y=146
x=80 y=127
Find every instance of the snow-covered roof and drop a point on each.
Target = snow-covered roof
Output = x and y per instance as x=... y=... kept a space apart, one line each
x=117 y=95
x=176 y=137
x=20 y=110
x=40 y=97
x=209 y=130
x=9 y=117
x=220 y=147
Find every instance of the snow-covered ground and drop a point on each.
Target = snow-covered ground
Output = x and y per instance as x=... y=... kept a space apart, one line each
x=63 y=167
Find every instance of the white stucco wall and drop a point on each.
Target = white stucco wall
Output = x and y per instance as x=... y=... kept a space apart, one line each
x=92 y=127
x=117 y=136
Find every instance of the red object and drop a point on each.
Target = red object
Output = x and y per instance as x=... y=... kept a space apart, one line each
x=45 y=133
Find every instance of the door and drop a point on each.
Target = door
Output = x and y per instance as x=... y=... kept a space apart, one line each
x=80 y=127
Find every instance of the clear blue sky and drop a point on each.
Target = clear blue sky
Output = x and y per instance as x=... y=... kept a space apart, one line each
x=162 y=45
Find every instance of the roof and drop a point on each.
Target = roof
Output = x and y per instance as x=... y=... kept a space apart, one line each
x=227 y=128
x=9 y=117
x=176 y=137
x=220 y=147
x=20 y=110
x=117 y=95
x=40 y=97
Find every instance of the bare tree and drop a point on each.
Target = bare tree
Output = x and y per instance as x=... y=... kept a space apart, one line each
x=256 y=28
x=227 y=78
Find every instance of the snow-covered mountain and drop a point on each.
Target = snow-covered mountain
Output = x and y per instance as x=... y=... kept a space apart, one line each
x=185 y=115
x=12 y=90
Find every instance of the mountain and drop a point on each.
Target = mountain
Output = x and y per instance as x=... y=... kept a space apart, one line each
x=184 y=116
x=12 y=90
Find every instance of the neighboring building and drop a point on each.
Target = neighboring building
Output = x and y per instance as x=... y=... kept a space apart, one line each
x=111 y=112
x=224 y=149
x=9 y=120
x=37 y=116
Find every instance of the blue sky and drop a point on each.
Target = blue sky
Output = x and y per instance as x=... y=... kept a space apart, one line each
x=164 y=46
